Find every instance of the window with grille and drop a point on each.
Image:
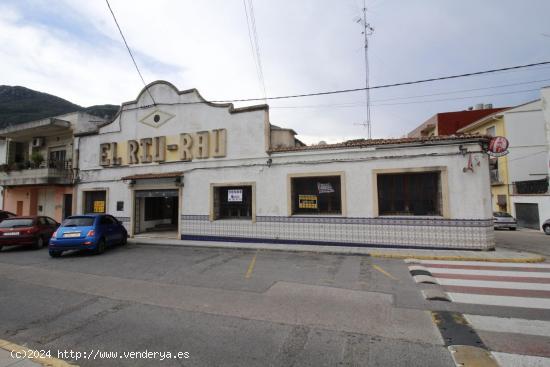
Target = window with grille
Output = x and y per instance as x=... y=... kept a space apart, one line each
x=95 y=201
x=232 y=202
x=417 y=193
x=316 y=195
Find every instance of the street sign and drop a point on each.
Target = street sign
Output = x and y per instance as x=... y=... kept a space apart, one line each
x=498 y=146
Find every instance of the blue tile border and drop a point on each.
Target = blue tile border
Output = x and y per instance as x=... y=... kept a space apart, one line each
x=190 y=237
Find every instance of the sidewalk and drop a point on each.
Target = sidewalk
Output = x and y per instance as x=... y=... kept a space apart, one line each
x=499 y=255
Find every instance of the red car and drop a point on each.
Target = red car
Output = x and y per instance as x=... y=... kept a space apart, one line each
x=27 y=231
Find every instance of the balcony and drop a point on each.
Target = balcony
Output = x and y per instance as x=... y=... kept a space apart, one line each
x=531 y=187
x=50 y=172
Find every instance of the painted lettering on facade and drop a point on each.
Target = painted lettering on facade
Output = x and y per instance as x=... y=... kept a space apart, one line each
x=189 y=146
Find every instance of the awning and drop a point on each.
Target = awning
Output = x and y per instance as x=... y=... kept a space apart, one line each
x=152 y=176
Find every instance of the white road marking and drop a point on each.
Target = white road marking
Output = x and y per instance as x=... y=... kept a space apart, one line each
x=500 y=273
x=494 y=284
x=483 y=299
x=516 y=360
x=487 y=263
x=509 y=325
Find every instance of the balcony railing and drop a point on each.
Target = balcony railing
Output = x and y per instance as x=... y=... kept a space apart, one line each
x=34 y=173
x=531 y=187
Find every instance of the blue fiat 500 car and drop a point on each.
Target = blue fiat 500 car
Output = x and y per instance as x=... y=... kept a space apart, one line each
x=87 y=232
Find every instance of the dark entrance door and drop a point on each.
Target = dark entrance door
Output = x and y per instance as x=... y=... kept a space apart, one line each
x=67 y=205
x=156 y=211
x=527 y=215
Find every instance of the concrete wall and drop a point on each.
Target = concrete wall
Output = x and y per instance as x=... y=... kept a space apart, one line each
x=468 y=224
x=282 y=138
x=465 y=223
x=247 y=132
x=50 y=198
x=502 y=188
x=12 y=196
x=545 y=105
x=525 y=129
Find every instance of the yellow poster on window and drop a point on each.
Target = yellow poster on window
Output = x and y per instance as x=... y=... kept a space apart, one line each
x=99 y=206
x=307 y=201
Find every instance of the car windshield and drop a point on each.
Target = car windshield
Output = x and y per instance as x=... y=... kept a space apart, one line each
x=14 y=223
x=501 y=215
x=78 y=222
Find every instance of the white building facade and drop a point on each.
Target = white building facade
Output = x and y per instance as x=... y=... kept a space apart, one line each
x=187 y=168
x=528 y=131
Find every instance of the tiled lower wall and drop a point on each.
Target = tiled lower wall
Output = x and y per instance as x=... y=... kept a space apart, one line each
x=376 y=232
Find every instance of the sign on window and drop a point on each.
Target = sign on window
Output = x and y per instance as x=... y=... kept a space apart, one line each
x=307 y=201
x=99 y=206
x=324 y=188
x=235 y=195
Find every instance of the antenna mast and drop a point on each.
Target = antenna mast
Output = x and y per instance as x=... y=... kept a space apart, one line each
x=367 y=31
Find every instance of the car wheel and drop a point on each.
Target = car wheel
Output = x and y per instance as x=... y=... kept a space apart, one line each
x=55 y=253
x=546 y=229
x=124 y=240
x=100 y=246
x=39 y=243
x=513 y=228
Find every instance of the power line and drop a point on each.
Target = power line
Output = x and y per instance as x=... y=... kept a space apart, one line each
x=129 y=51
x=351 y=105
x=382 y=86
x=254 y=43
x=462 y=90
x=459 y=98
x=357 y=103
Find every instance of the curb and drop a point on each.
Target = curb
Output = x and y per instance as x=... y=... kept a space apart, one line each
x=43 y=361
x=349 y=251
x=533 y=259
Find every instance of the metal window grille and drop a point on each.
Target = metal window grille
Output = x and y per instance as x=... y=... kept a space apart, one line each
x=316 y=195
x=409 y=193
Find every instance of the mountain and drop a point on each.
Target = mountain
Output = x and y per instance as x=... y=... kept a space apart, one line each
x=20 y=104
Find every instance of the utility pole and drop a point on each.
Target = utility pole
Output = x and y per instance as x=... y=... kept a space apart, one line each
x=367 y=31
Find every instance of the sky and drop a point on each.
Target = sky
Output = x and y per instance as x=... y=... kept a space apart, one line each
x=72 y=49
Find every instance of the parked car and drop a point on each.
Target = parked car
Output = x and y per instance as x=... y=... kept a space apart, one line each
x=27 y=231
x=546 y=226
x=93 y=232
x=5 y=214
x=504 y=220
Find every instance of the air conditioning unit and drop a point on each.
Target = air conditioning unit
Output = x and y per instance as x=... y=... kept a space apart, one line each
x=37 y=142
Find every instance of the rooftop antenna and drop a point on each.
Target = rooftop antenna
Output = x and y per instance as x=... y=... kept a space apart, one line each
x=367 y=31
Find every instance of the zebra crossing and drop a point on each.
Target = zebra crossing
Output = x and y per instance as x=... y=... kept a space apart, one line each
x=510 y=341
x=494 y=284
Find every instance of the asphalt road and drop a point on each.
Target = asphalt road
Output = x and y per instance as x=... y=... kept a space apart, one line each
x=524 y=240
x=223 y=307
